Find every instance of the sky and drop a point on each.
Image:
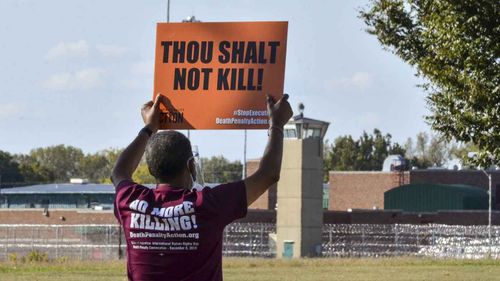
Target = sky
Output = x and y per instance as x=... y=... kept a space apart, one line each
x=77 y=72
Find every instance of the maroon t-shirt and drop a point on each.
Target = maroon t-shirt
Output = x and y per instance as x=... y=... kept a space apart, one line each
x=176 y=234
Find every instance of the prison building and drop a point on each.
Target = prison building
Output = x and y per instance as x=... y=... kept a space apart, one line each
x=62 y=196
x=365 y=189
x=59 y=196
x=435 y=197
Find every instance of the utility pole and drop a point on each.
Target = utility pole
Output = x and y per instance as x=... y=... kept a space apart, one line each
x=168 y=10
x=190 y=19
x=244 y=172
x=489 y=206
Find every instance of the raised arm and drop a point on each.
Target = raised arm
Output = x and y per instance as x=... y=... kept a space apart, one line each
x=268 y=172
x=130 y=157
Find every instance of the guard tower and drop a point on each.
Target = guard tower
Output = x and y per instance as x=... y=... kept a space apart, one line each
x=300 y=189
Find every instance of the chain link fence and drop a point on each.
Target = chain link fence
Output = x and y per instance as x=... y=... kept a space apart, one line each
x=72 y=241
x=436 y=240
x=101 y=242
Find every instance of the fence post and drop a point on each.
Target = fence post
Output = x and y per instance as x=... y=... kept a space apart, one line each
x=363 y=240
x=82 y=229
x=251 y=240
x=32 y=238
x=433 y=237
x=120 y=242
x=261 y=237
x=330 y=230
x=57 y=241
x=7 y=243
x=396 y=246
x=418 y=237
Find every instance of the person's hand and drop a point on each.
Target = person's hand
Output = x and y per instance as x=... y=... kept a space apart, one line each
x=150 y=112
x=279 y=112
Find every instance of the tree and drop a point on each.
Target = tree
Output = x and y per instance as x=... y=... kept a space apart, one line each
x=461 y=151
x=430 y=151
x=111 y=157
x=365 y=154
x=60 y=160
x=454 y=46
x=218 y=169
x=142 y=175
x=438 y=151
x=9 y=170
x=341 y=155
x=95 y=167
x=32 y=171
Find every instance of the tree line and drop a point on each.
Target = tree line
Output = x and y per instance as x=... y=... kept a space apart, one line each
x=368 y=152
x=56 y=163
x=60 y=163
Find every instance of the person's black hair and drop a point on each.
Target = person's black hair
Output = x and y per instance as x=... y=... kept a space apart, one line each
x=167 y=154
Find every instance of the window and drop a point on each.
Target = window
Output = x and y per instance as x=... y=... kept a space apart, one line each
x=312 y=133
x=290 y=134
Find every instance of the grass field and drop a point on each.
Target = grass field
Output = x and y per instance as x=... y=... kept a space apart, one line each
x=243 y=269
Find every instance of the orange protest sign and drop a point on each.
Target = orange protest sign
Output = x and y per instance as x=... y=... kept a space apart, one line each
x=217 y=75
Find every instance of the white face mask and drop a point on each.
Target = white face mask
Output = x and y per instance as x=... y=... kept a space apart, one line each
x=196 y=185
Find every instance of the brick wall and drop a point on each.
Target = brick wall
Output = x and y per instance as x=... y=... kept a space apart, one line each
x=267 y=201
x=361 y=190
x=364 y=190
x=35 y=216
x=56 y=216
x=74 y=216
x=468 y=177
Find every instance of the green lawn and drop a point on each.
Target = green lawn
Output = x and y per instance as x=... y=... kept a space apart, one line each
x=269 y=269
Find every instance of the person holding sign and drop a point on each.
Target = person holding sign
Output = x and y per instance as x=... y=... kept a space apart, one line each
x=216 y=74
x=174 y=232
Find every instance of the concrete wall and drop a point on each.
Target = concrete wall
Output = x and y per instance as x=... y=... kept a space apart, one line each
x=300 y=197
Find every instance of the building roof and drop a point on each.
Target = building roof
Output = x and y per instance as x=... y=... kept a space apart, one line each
x=61 y=188
x=298 y=119
x=69 y=188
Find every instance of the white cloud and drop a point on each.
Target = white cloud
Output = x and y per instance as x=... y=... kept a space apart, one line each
x=9 y=110
x=77 y=49
x=112 y=51
x=85 y=79
x=358 y=81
